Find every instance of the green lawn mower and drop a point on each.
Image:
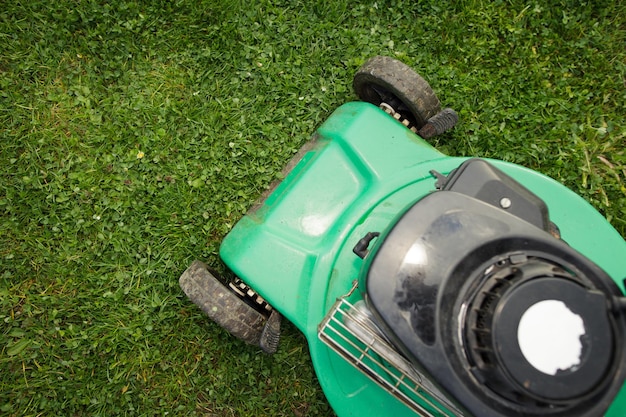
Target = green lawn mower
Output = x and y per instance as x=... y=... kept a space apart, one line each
x=426 y=284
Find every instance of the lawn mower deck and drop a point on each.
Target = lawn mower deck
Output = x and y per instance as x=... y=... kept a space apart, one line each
x=383 y=252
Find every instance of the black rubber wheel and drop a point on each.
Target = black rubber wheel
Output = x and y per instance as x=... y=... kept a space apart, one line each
x=221 y=304
x=384 y=79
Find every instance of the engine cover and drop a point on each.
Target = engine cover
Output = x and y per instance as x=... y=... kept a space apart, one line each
x=474 y=286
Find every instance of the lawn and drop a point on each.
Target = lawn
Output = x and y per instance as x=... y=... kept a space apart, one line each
x=134 y=135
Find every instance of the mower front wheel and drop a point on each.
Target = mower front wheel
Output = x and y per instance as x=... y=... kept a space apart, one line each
x=221 y=304
x=383 y=79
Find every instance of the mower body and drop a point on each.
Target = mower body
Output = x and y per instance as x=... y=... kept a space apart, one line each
x=361 y=170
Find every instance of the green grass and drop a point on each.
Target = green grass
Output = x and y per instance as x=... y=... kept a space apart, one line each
x=133 y=135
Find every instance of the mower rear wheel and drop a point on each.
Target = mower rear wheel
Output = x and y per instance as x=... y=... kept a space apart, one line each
x=386 y=80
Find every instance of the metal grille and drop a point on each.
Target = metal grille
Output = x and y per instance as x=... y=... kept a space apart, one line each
x=349 y=330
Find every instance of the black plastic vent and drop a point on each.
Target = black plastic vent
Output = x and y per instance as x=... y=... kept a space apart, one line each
x=491 y=325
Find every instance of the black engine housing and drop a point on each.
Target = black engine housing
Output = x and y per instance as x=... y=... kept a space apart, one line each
x=451 y=279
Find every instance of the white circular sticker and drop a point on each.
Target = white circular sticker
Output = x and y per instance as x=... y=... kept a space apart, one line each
x=549 y=336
